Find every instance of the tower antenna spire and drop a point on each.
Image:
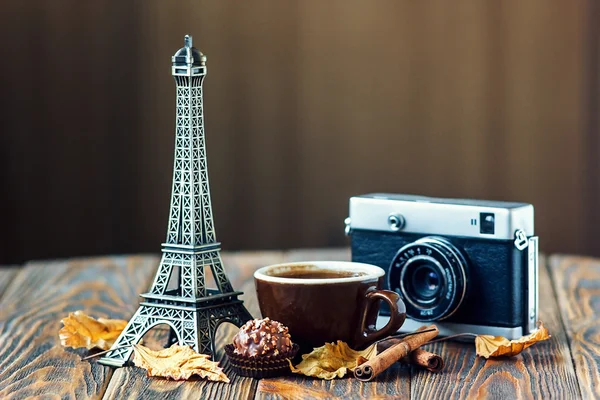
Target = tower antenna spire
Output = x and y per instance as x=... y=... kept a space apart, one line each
x=187 y=41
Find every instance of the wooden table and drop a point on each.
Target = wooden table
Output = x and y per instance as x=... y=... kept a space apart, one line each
x=35 y=297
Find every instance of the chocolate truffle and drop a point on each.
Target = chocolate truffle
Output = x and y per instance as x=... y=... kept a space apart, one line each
x=262 y=338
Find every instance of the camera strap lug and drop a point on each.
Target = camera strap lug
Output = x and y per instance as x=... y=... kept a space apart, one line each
x=521 y=240
x=347 y=229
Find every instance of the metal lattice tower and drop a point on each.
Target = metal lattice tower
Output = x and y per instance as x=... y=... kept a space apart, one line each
x=192 y=311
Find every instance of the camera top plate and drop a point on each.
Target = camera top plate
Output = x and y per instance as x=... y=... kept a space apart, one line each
x=481 y=219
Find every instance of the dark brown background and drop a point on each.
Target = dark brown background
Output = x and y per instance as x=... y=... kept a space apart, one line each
x=306 y=104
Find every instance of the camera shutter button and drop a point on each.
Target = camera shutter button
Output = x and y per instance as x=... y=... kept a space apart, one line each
x=396 y=222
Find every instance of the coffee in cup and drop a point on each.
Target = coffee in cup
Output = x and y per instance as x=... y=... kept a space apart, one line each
x=326 y=301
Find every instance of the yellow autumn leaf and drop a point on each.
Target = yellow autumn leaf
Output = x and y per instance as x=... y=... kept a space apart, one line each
x=332 y=360
x=81 y=330
x=495 y=346
x=177 y=362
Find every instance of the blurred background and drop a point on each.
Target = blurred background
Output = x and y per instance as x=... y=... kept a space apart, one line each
x=306 y=104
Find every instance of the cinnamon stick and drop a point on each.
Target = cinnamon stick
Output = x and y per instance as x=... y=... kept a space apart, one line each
x=419 y=357
x=381 y=362
x=427 y=360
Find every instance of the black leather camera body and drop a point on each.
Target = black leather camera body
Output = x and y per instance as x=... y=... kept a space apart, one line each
x=465 y=265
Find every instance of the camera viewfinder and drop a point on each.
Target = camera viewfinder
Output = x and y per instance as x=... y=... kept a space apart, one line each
x=486 y=223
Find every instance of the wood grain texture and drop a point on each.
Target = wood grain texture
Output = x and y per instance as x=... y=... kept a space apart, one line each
x=7 y=274
x=577 y=284
x=335 y=254
x=542 y=371
x=32 y=361
x=250 y=299
x=394 y=383
x=132 y=382
x=240 y=266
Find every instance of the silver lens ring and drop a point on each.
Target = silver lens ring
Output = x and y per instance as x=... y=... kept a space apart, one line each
x=418 y=259
x=445 y=262
x=457 y=257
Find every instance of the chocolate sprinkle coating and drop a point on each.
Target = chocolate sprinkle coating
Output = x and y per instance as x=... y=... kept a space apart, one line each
x=262 y=338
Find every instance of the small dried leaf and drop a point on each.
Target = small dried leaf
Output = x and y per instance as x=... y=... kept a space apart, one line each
x=177 y=362
x=332 y=360
x=495 y=346
x=81 y=330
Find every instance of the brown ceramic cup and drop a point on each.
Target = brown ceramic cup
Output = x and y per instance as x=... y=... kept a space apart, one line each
x=326 y=301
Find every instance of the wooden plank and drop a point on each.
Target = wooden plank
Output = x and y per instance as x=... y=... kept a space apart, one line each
x=393 y=383
x=542 y=371
x=132 y=382
x=32 y=361
x=577 y=284
x=240 y=266
x=7 y=274
x=336 y=254
x=250 y=299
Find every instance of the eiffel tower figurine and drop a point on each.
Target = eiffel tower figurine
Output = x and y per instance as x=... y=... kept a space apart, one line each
x=192 y=311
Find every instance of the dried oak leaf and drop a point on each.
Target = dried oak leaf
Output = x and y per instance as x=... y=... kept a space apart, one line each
x=81 y=330
x=177 y=362
x=332 y=360
x=495 y=346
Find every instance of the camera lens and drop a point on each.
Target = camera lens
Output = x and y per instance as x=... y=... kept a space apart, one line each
x=430 y=275
x=425 y=282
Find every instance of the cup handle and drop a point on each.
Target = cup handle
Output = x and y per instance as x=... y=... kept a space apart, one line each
x=369 y=334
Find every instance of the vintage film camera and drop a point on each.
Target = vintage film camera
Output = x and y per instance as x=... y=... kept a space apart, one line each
x=465 y=265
